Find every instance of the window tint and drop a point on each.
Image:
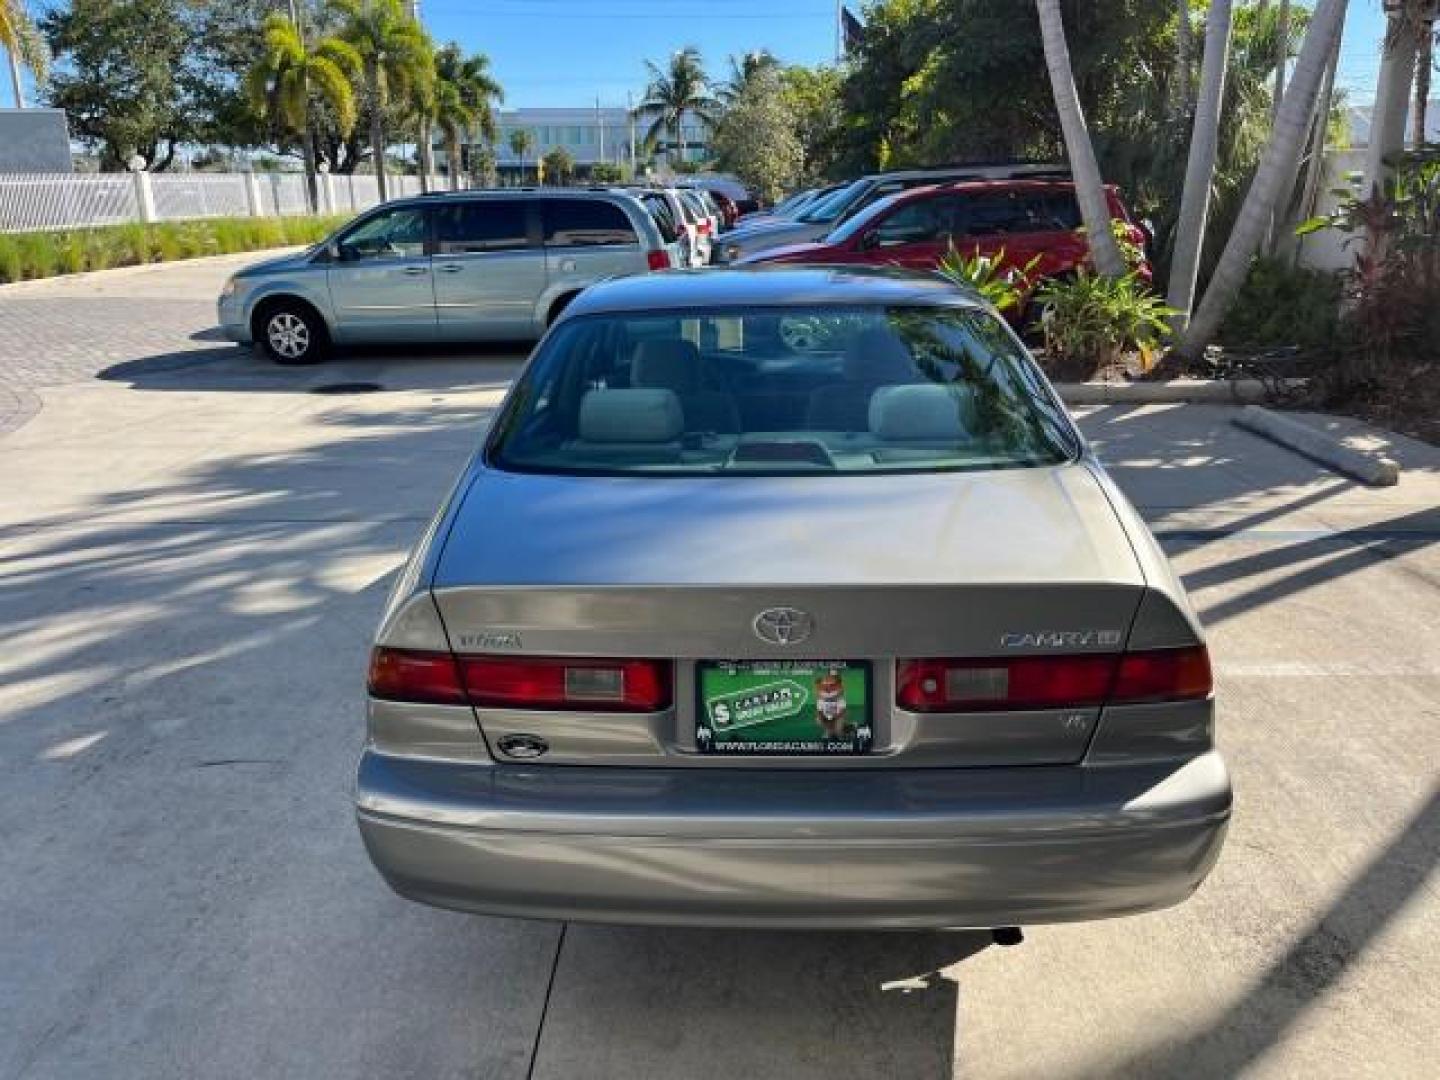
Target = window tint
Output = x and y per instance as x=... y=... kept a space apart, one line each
x=391 y=234
x=1021 y=212
x=924 y=221
x=585 y=223
x=808 y=389
x=471 y=227
x=664 y=217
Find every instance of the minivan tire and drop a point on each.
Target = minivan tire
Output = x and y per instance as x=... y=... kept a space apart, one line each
x=291 y=333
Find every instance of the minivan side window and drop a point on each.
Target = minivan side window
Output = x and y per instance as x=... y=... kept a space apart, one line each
x=1021 y=212
x=585 y=223
x=469 y=228
x=391 y=234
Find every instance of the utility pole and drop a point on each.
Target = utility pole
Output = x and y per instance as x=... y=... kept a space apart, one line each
x=630 y=112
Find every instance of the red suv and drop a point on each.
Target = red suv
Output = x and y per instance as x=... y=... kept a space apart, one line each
x=1023 y=218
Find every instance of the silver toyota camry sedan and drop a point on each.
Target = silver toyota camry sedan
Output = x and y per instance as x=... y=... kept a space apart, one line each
x=789 y=598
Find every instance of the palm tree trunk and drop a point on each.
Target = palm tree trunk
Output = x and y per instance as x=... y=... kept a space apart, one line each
x=1424 y=65
x=1200 y=168
x=377 y=127
x=1315 y=169
x=452 y=154
x=15 y=83
x=1392 y=101
x=307 y=149
x=1277 y=165
x=1089 y=189
x=427 y=155
x=1184 y=48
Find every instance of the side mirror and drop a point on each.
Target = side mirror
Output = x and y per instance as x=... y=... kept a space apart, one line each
x=332 y=251
x=870 y=241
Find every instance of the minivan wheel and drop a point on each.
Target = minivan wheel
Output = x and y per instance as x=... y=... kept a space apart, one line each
x=291 y=334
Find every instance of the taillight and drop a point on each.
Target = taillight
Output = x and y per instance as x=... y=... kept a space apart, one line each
x=1047 y=682
x=1163 y=675
x=705 y=228
x=515 y=682
x=658 y=260
x=410 y=675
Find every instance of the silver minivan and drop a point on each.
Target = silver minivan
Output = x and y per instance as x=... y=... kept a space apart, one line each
x=466 y=266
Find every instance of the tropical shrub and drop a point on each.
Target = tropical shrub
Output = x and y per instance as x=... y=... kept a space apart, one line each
x=1392 y=293
x=1092 y=322
x=1281 y=304
x=24 y=256
x=1003 y=286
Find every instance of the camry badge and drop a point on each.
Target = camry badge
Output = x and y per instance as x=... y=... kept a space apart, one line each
x=784 y=625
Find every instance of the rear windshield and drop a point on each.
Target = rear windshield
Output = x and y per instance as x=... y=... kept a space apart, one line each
x=664 y=218
x=829 y=207
x=781 y=390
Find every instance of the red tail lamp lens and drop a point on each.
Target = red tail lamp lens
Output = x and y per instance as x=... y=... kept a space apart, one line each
x=409 y=675
x=1046 y=682
x=658 y=260
x=562 y=683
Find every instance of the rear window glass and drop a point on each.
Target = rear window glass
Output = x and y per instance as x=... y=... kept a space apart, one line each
x=660 y=210
x=781 y=390
x=830 y=206
x=585 y=223
x=464 y=228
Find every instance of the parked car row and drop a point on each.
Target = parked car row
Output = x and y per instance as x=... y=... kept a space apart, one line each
x=502 y=264
x=1025 y=216
x=491 y=265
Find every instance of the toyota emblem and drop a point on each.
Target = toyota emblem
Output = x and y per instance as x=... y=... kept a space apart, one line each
x=784 y=625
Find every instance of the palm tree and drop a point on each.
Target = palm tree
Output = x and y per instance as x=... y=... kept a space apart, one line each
x=23 y=46
x=1200 y=168
x=398 y=61
x=674 y=91
x=520 y=143
x=1089 y=189
x=1184 y=47
x=1277 y=169
x=743 y=70
x=464 y=90
x=290 y=72
x=1424 y=66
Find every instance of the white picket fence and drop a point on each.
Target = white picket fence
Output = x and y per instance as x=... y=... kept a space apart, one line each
x=37 y=201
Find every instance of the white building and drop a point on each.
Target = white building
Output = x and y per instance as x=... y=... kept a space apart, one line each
x=589 y=135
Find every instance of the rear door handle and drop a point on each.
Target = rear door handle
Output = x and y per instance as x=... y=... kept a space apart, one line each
x=567 y=265
x=450 y=268
x=413 y=270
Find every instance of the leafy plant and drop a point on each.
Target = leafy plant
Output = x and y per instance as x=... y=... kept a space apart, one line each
x=1281 y=304
x=1003 y=286
x=1393 y=290
x=1091 y=321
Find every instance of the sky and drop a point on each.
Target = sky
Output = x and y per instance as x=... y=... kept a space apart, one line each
x=569 y=52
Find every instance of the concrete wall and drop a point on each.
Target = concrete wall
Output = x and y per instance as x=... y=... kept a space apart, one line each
x=1328 y=249
x=34 y=141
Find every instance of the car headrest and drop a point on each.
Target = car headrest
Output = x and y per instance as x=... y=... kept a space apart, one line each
x=630 y=416
x=921 y=411
x=666 y=363
x=876 y=356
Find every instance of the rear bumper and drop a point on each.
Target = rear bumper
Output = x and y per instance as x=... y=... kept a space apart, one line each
x=790 y=848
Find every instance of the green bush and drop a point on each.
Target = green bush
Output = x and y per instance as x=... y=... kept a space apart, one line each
x=68 y=251
x=1091 y=321
x=1281 y=304
x=1003 y=286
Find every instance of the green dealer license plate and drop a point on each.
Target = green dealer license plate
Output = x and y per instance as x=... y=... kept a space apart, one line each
x=784 y=707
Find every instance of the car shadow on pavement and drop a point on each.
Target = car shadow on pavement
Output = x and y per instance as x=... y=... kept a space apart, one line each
x=236 y=367
x=1299 y=979
x=640 y=1002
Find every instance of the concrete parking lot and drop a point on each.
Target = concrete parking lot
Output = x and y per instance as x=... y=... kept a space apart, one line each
x=193 y=549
